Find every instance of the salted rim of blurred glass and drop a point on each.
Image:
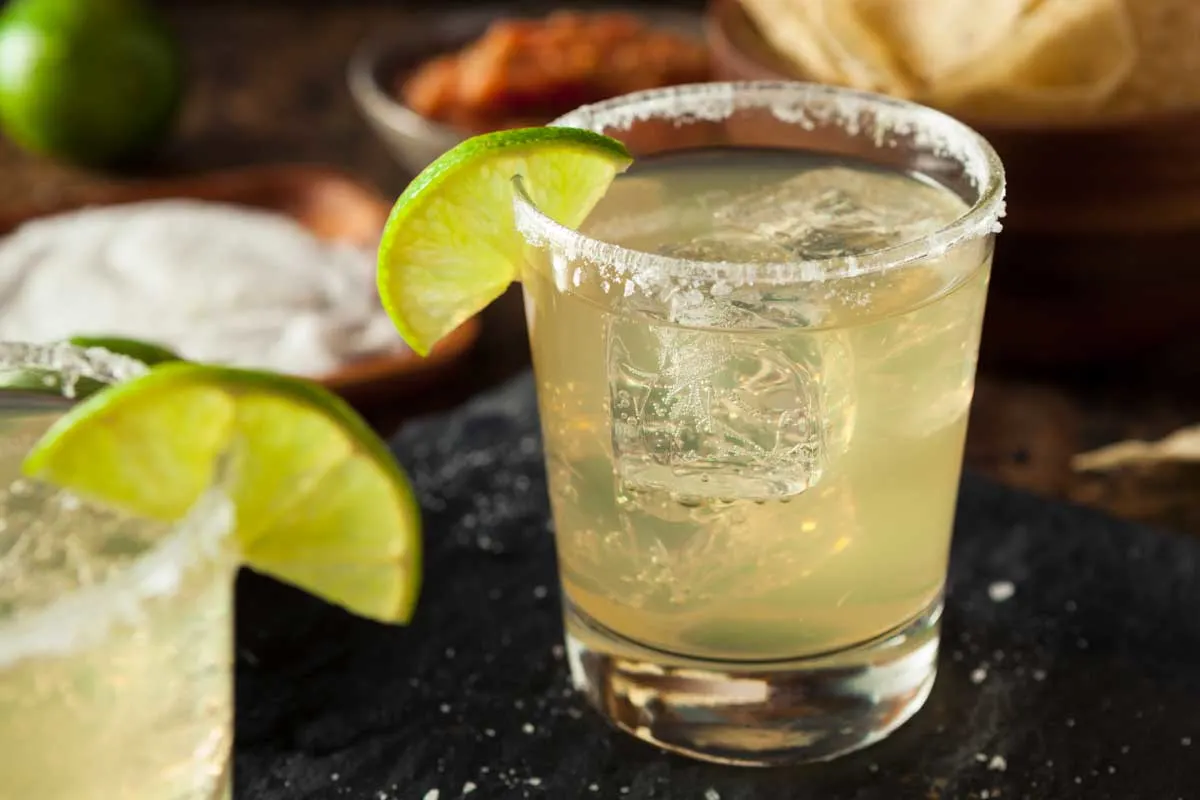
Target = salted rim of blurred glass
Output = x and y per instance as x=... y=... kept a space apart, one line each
x=802 y=104
x=85 y=615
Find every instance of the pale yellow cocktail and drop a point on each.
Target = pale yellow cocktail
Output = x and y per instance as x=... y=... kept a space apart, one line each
x=129 y=496
x=116 y=638
x=759 y=478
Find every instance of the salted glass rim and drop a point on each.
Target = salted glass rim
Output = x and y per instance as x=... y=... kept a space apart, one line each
x=794 y=102
x=85 y=614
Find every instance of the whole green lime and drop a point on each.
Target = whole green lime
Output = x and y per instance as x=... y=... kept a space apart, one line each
x=88 y=81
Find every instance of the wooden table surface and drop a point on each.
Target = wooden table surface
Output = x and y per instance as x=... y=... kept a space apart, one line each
x=268 y=86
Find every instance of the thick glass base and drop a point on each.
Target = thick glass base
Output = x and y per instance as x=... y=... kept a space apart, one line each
x=759 y=713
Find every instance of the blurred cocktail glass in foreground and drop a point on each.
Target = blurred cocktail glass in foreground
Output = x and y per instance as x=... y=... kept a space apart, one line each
x=115 y=632
x=755 y=364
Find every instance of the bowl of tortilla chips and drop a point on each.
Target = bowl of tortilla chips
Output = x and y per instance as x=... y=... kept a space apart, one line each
x=1094 y=106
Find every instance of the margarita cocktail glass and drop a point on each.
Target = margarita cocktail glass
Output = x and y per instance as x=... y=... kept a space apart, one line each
x=116 y=633
x=755 y=363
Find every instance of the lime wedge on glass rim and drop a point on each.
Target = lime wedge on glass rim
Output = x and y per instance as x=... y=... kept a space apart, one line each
x=450 y=246
x=319 y=501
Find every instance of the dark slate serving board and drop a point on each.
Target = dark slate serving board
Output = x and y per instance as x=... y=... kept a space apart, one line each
x=1085 y=683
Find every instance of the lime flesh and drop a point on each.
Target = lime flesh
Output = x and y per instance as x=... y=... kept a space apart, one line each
x=451 y=247
x=320 y=503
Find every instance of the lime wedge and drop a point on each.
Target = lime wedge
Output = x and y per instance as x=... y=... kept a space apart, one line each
x=450 y=246
x=146 y=352
x=320 y=502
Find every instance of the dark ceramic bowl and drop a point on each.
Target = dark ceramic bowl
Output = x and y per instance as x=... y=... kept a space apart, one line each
x=413 y=139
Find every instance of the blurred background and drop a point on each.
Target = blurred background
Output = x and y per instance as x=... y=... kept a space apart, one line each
x=321 y=112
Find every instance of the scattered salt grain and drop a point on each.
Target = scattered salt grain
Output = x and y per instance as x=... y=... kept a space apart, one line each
x=998 y=764
x=711 y=794
x=432 y=794
x=1186 y=741
x=528 y=728
x=1000 y=591
x=468 y=787
x=979 y=675
x=540 y=592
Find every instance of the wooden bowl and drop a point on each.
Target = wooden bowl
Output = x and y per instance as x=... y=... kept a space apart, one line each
x=1099 y=254
x=332 y=206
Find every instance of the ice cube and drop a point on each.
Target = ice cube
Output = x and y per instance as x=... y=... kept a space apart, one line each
x=836 y=211
x=726 y=413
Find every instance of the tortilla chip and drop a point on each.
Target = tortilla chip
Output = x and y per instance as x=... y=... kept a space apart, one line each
x=1063 y=59
x=862 y=55
x=790 y=27
x=990 y=59
x=1167 y=74
x=1181 y=446
x=936 y=38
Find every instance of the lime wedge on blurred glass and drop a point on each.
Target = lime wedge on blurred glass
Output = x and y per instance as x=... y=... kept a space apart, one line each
x=450 y=246
x=320 y=502
x=146 y=352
